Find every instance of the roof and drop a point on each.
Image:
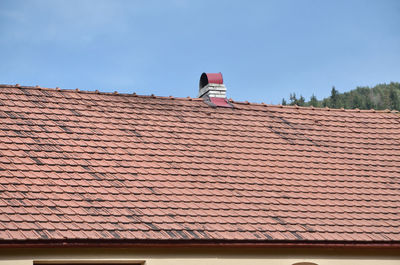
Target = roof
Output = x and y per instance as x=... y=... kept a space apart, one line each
x=79 y=165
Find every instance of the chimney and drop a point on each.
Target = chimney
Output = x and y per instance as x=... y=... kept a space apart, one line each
x=212 y=85
x=213 y=90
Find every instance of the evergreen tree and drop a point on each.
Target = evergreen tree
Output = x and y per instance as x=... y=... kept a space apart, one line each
x=334 y=98
x=284 y=102
x=313 y=101
x=325 y=102
x=382 y=96
x=394 y=99
x=357 y=102
x=293 y=99
x=297 y=101
x=301 y=101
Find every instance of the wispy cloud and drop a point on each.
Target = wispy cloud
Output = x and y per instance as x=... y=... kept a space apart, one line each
x=69 y=21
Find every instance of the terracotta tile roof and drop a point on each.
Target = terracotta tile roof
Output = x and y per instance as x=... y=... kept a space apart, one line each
x=87 y=165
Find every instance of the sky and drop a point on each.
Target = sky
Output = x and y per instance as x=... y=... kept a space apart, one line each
x=264 y=49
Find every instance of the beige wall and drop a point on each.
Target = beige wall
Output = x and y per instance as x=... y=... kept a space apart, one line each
x=201 y=256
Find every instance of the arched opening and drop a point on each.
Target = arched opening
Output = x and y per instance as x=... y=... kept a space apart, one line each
x=210 y=78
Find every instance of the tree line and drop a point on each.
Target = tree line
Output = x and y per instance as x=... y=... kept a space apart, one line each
x=379 y=97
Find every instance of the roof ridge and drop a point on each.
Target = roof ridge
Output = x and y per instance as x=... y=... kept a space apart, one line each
x=311 y=107
x=77 y=90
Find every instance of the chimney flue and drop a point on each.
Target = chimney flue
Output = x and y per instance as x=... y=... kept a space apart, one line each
x=212 y=85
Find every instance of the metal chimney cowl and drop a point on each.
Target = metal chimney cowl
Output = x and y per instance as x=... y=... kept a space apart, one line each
x=212 y=85
x=213 y=91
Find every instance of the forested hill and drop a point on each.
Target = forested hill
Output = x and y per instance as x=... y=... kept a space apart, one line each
x=382 y=96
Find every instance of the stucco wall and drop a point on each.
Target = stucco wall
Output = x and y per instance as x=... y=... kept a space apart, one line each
x=200 y=256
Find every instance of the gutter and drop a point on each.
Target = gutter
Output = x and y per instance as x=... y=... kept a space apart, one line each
x=192 y=243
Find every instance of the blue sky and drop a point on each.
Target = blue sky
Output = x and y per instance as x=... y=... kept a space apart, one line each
x=265 y=49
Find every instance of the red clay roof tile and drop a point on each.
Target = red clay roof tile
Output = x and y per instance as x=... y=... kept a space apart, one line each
x=86 y=165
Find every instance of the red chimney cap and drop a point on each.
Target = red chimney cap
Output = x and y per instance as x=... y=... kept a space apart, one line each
x=210 y=78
